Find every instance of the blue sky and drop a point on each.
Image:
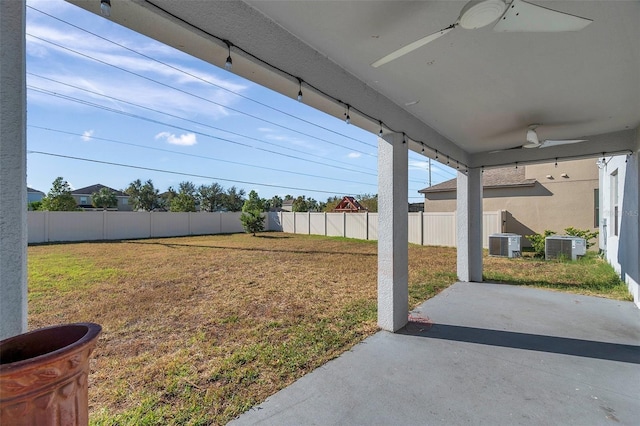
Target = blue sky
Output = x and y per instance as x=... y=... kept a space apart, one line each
x=110 y=98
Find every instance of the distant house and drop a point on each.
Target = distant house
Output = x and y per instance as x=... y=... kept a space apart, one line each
x=83 y=197
x=287 y=205
x=350 y=205
x=34 y=195
x=532 y=197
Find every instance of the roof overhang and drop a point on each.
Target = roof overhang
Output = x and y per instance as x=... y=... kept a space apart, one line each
x=476 y=90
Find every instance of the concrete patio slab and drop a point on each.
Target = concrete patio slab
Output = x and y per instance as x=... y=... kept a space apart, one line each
x=480 y=354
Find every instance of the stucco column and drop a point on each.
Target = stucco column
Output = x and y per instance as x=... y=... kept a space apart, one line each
x=469 y=225
x=393 y=238
x=13 y=185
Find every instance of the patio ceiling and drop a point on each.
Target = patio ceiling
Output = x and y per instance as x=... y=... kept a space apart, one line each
x=466 y=94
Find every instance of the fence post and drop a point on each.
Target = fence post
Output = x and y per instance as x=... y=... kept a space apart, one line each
x=344 y=224
x=366 y=224
x=309 y=222
x=104 y=224
x=46 y=226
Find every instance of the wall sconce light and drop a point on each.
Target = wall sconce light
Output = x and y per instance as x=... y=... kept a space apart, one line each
x=564 y=175
x=549 y=177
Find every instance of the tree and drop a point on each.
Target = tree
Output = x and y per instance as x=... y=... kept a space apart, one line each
x=369 y=201
x=210 y=197
x=332 y=203
x=59 y=197
x=275 y=202
x=143 y=196
x=35 y=205
x=251 y=217
x=233 y=200
x=104 y=198
x=185 y=199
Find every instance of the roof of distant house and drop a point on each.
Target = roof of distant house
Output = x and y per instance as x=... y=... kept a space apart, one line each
x=88 y=190
x=491 y=178
x=349 y=204
x=34 y=190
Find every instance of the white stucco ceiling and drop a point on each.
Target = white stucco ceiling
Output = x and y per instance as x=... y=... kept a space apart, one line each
x=477 y=90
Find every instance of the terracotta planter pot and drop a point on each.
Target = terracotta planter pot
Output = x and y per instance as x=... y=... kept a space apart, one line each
x=43 y=375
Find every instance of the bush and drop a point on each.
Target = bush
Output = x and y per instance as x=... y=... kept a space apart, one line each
x=537 y=242
x=582 y=233
x=252 y=221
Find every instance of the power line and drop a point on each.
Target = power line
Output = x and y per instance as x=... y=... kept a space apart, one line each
x=199 y=156
x=110 y=163
x=175 y=116
x=105 y=108
x=198 y=77
x=194 y=95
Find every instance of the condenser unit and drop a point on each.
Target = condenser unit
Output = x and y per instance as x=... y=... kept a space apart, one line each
x=565 y=246
x=506 y=245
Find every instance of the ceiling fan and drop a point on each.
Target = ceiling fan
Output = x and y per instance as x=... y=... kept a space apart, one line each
x=512 y=16
x=534 y=142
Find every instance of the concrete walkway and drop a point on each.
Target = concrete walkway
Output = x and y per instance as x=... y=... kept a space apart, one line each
x=480 y=354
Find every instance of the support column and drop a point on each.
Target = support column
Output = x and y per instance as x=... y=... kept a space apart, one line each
x=469 y=225
x=393 y=238
x=13 y=184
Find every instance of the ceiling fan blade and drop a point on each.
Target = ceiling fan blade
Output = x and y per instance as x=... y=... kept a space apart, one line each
x=549 y=142
x=527 y=17
x=506 y=149
x=411 y=47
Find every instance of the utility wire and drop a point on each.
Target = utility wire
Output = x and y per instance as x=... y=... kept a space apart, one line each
x=194 y=95
x=113 y=110
x=110 y=163
x=198 y=156
x=128 y=114
x=178 y=117
x=199 y=78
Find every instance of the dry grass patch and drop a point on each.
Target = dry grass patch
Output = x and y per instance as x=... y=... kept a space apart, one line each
x=198 y=329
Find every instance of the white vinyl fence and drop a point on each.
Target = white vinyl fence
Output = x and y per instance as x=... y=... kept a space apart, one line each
x=434 y=229
x=424 y=228
x=113 y=225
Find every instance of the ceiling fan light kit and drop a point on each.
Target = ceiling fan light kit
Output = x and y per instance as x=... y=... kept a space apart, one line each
x=478 y=14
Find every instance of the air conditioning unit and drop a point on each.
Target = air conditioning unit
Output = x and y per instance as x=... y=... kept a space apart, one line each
x=506 y=245
x=566 y=246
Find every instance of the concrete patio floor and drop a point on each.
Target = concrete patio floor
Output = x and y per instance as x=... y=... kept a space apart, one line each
x=480 y=354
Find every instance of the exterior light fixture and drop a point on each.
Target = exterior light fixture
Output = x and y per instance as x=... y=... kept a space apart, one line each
x=380 y=133
x=347 y=117
x=300 y=90
x=105 y=8
x=229 y=63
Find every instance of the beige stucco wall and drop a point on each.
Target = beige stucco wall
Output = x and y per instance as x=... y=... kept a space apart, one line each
x=553 y=203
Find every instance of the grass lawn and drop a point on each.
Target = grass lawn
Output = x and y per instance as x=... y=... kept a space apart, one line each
x=198 y=329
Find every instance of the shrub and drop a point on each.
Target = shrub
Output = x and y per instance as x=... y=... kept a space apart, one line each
x=582 y=233
x=537 y=242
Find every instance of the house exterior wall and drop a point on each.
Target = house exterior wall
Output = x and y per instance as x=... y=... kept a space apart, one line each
x=620 y=183
x=552 y=203
x=85 y=199
x=34 y=196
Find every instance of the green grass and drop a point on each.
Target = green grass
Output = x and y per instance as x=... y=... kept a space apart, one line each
x=589 y=275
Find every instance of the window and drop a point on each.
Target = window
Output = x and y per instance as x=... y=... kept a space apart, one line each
x=83 y=200
x=125 y=201
x=614 y=201
x=596 y=208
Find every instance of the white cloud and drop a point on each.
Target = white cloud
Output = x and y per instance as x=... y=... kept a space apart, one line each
x=187 y=139
x=60 y=64
x=86 y=135
x=354 y=155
